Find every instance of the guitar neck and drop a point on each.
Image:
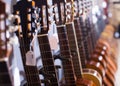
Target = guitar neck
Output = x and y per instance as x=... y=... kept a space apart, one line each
x=31 y=72
x=80 y=42
x=85 y=38
x=66 y=55
x=74 y=49
x=47 y=60
x=89 y=37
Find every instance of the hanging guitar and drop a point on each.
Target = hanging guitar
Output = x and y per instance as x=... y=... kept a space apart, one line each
x=49 y=68
x=74 y=37
x=84 y=33
x=97 y=60
x=5 y=49
x=65 y=54
x=27 y=23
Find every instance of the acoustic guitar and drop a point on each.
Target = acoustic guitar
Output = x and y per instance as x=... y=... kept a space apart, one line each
x=85 y=75
x=84 y=37
x=47 y=19
x=65 y=54
x=108 y=73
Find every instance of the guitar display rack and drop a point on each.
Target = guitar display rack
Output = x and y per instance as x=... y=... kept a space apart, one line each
x=85 y=51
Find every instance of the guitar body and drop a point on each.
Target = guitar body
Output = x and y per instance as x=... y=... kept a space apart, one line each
x=109 y=71
x=103 y=50
x=96 y=66
x=93 y=75
x=109 y=50
x=98 y=58
x=109 y=62
x=84 y=82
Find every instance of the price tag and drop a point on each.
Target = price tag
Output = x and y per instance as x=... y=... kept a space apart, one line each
x=30 y=59
x=53 y=42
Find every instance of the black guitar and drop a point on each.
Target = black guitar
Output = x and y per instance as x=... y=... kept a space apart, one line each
x=27 y=23
x=5 y=49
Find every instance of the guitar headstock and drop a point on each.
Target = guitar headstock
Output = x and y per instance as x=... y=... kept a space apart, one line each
x=27 y=18
x=46 y=14
x=69 y=8
x=76 y=8
x=80 y=2
x=87 y=6
x=59 y=10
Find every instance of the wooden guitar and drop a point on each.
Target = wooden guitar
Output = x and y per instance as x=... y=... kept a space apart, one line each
x=27 y=23
x=47 y=19
x=108 y=73
x=106 y=48
x=5 y=49
x=60 y=18
x=84 y=38
x=77 y=50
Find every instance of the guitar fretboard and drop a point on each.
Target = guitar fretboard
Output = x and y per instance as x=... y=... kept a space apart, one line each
x=31 y=72
x=74 y=49
x=79 y=41
x=47 y=60
x=66 y=55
